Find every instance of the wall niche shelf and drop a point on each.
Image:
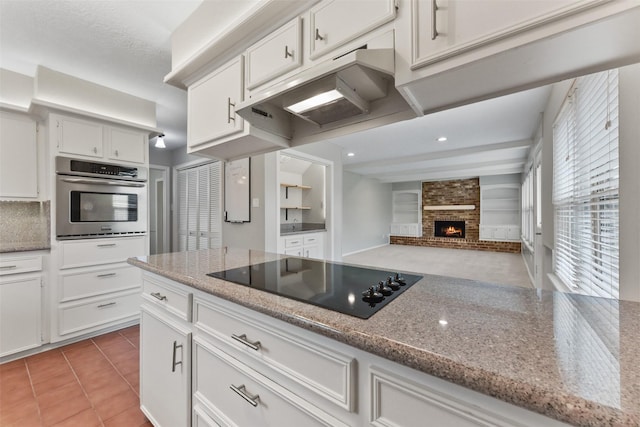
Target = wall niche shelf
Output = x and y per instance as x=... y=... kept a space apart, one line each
x=299 y=208
x=288 y=186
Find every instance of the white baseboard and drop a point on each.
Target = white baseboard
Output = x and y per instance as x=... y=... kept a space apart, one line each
x=366 y=249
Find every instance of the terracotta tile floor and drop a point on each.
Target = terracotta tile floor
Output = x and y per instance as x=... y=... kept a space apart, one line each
x=94 y=382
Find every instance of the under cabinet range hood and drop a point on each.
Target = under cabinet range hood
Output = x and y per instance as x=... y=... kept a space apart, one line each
x=353 y=88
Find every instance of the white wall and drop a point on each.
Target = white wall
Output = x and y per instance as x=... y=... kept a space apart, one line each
x=15 y=89
x=366 y=213
x=251 y=234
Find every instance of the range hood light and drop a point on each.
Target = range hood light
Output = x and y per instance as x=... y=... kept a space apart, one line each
x=315 y=101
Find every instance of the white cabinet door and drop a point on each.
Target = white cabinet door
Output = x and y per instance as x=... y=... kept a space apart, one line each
x=77 y=136
x=18 y=156
x=335 y=22
x=20 y=308
x=126 y=145
x=165 y=371
x=445 y=28
x=211 y=104
x=275 y=55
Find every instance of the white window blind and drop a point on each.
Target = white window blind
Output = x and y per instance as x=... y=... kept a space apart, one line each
x=585 y=186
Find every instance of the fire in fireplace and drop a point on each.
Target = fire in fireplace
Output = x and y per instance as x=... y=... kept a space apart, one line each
x=453 y=229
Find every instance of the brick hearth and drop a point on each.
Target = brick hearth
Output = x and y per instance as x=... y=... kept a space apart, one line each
x=458 y=192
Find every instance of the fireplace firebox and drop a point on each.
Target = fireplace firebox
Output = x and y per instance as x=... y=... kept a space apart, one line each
x=450 y=229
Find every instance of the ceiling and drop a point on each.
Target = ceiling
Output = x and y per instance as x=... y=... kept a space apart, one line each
x=126 y=45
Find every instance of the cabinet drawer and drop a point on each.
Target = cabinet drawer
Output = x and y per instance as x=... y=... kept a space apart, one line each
x=311 y=240
x=98 y=281
x=100 y=251
x=11 y=265
x=78 y=316
x=324 y=371
x=168 y=297
x=398 y=401
x=291 y=242
x=238 y=395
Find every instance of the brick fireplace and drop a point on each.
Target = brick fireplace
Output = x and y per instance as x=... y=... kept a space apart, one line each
x=448 y=193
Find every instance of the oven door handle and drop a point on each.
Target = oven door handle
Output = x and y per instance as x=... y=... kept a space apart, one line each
x=103 y=182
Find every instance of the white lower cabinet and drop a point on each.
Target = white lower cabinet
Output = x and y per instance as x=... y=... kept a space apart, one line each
x=237 y=395
x=165 y=369
x=20 y=307
x=249 y=369
x=93 y=287
x=20 y=303
x=307 y=245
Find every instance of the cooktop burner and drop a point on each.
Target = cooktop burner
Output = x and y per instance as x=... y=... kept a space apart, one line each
x=357 y=291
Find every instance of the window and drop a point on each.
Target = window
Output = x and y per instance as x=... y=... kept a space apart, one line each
x=585 y=187
x=527 y=208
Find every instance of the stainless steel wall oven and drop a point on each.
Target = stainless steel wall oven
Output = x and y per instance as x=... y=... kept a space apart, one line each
x=99 y=199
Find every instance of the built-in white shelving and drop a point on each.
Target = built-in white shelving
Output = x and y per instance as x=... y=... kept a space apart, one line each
x=500 y=212
x=407 y=213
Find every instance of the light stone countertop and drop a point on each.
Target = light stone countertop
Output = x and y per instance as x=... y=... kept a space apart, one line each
x=570 y=357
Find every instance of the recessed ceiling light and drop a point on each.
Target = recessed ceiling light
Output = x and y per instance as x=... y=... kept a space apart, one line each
x=351 y=154
x=442 y=139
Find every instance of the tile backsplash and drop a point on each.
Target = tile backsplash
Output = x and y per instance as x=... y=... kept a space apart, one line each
x=24 y=225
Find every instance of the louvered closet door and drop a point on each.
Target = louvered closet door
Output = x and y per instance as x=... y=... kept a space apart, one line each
x=215 y=206
x=200 y=207
x=192 y=209
x=182 y=210
x=203 y=207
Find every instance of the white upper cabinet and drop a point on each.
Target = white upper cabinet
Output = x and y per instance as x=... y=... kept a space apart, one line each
x=278 y=53
x=333 y=23
x=77 y=136
x=445 y=28
x=211 y=104
x=18 y=157
x=124 y=144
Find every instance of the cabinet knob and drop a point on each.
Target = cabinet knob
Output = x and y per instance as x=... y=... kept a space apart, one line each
x=287 y=53
x=95 y=150
x=116 y=153
x=319 y=37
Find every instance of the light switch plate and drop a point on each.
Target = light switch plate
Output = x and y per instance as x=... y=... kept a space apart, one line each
x=256 y=202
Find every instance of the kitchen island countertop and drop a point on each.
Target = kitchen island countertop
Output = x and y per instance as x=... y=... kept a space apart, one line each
x=570 y=357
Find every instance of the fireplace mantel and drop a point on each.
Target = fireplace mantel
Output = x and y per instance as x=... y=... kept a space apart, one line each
x=450 y=208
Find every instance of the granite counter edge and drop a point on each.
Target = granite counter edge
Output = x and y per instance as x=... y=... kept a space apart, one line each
x=549 y=402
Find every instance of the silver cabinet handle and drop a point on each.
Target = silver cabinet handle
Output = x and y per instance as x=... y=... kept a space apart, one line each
x=242 y=392
x=95 y=150
x=287 y=53
x=102 y=276
x=116 y=153
x=243 y=339
x=229 y=105
x=159 y=296
x=102 y=182
x=109 y=304
x=8 y=267
x=173 y=361
x=318 y=36
x=106 y=245
x=434 y=9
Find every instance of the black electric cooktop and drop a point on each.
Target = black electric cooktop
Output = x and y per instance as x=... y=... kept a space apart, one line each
x=357 y=291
